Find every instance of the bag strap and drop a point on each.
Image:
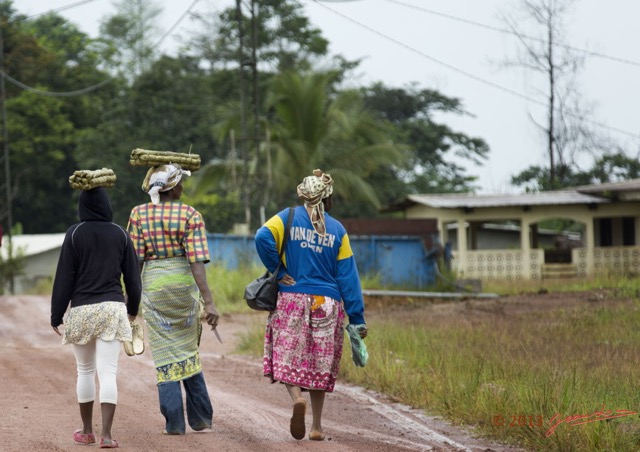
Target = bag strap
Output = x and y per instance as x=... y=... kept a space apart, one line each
x=286 y=233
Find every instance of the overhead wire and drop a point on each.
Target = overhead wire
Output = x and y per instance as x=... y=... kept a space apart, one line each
x=61 y=8
x=470 y=75
x=520 y=35
x=97 y=85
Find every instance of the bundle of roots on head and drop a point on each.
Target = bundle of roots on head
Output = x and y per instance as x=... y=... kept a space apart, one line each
x=145 y=157
x=90 y=179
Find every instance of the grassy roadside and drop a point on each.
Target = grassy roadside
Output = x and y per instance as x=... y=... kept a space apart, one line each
x=507 y=368
x=504 y=367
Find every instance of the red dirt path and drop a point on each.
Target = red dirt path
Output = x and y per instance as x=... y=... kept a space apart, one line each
x=39 y=409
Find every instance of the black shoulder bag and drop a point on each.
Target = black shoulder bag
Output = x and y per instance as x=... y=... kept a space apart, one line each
x=261 y=294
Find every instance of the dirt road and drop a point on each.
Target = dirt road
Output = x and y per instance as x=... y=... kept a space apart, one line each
x=39 y=409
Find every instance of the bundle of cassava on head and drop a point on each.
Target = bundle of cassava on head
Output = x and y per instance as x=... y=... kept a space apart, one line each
x=144 y=157
x=90 y=179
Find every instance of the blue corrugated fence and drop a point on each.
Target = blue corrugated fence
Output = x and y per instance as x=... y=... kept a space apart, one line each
x=400 y=261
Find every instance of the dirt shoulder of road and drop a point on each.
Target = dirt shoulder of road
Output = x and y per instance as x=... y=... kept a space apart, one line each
x=250 y=413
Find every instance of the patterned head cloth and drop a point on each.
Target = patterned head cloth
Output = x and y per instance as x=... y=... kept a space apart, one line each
x=312 y=191
x=162 y=178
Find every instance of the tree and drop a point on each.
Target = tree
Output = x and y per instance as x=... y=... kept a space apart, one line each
x=611 y=167
x=129 y=35
x=428 y=167
x=315 y=127
x=547 y=54
x=273 y=36
x=42 y=125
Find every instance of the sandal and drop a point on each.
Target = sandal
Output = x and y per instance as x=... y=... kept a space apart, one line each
x=297 y=427
x=108 y=444
x=83 y=438
x=136 y=345
x=137 y=331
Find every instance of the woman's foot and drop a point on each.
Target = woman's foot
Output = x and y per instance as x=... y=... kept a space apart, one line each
x=316 y=435
x=83 y=438
x=108 y=443
x=297 y=426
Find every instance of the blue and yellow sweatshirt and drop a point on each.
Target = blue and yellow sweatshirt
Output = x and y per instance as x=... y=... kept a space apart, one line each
x=319 y=265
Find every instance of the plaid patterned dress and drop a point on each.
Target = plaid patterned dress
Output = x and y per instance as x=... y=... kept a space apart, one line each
x=168 y=237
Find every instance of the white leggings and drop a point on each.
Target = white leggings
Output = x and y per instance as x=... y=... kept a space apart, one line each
x=101 y=356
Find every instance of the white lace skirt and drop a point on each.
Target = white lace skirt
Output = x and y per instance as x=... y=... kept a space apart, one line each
x=107 y=320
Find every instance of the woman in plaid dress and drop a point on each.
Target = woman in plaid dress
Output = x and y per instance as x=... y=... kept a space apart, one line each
x=170 y=241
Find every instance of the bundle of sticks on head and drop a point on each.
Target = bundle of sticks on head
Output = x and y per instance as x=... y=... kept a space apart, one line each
x=144 y=157
x=89 y=179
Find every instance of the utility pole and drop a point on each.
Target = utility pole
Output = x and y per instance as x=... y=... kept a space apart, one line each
x=243 y=118
x=5 y=142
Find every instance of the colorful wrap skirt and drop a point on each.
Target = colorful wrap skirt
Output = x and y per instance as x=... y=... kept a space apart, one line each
x=172 y=307
x=303 y=341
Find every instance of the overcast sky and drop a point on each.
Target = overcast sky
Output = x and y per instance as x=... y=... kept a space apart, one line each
x=441 y=44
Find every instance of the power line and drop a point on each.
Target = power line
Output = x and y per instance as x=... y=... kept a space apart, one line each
x=511 y=32
x=173 y=27
x=61 y=8
x=51 y=93
x=102 y=83
x=473 y=76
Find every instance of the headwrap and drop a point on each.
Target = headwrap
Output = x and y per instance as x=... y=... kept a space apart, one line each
x=162 y=178
x=312 y=191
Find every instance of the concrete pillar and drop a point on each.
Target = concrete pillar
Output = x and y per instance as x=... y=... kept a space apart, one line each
x=462 y=246
x=589 y=244
x=525 y=247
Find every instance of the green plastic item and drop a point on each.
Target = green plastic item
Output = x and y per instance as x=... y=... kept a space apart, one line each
x=359 y=353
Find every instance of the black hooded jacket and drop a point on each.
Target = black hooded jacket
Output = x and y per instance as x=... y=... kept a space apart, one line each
x=95 y=254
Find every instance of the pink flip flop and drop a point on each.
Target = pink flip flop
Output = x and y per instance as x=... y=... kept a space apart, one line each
x=108 y=444
x=83 y=438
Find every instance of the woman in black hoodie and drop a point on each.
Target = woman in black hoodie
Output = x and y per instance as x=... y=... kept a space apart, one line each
x=95 y=254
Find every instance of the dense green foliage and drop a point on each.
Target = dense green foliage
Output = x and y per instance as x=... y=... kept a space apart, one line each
x=76 y=102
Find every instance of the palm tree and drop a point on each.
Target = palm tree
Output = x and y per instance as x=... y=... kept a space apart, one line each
x=309 y=126
x=314 y=127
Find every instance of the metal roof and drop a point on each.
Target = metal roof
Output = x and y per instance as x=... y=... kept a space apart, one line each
x=470 y=200
x=632 y=185
x=31 y=244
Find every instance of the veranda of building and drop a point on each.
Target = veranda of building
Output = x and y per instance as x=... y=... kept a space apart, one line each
x=607 y=243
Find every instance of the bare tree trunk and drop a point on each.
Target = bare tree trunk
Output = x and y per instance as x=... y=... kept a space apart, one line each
x=552 y=107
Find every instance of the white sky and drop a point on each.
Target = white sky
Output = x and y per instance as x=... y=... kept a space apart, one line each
x=401 y=45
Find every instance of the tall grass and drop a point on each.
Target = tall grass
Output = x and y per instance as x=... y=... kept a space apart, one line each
x=625 y=286
x=507 y=368
x=227 y=286
x=509 y=373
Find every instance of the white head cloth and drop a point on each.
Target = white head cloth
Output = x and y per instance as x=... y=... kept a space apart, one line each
x=162 y=178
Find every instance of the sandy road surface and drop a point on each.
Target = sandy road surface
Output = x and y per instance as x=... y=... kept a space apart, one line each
x=39 y=410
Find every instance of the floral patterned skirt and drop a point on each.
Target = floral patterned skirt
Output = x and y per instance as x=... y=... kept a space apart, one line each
x=303 y=341
x=107 y=320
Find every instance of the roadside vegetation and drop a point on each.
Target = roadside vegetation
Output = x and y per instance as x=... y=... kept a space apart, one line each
x=542 y=375
x=546 y=373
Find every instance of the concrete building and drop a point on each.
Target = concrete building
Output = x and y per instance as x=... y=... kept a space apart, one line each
x=40 y=253
x=605 y=242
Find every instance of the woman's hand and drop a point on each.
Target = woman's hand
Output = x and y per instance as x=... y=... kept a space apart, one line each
x=131 y=317
x=362 y=331
x=55 y=328
x=211 y=315
x=287 y=280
